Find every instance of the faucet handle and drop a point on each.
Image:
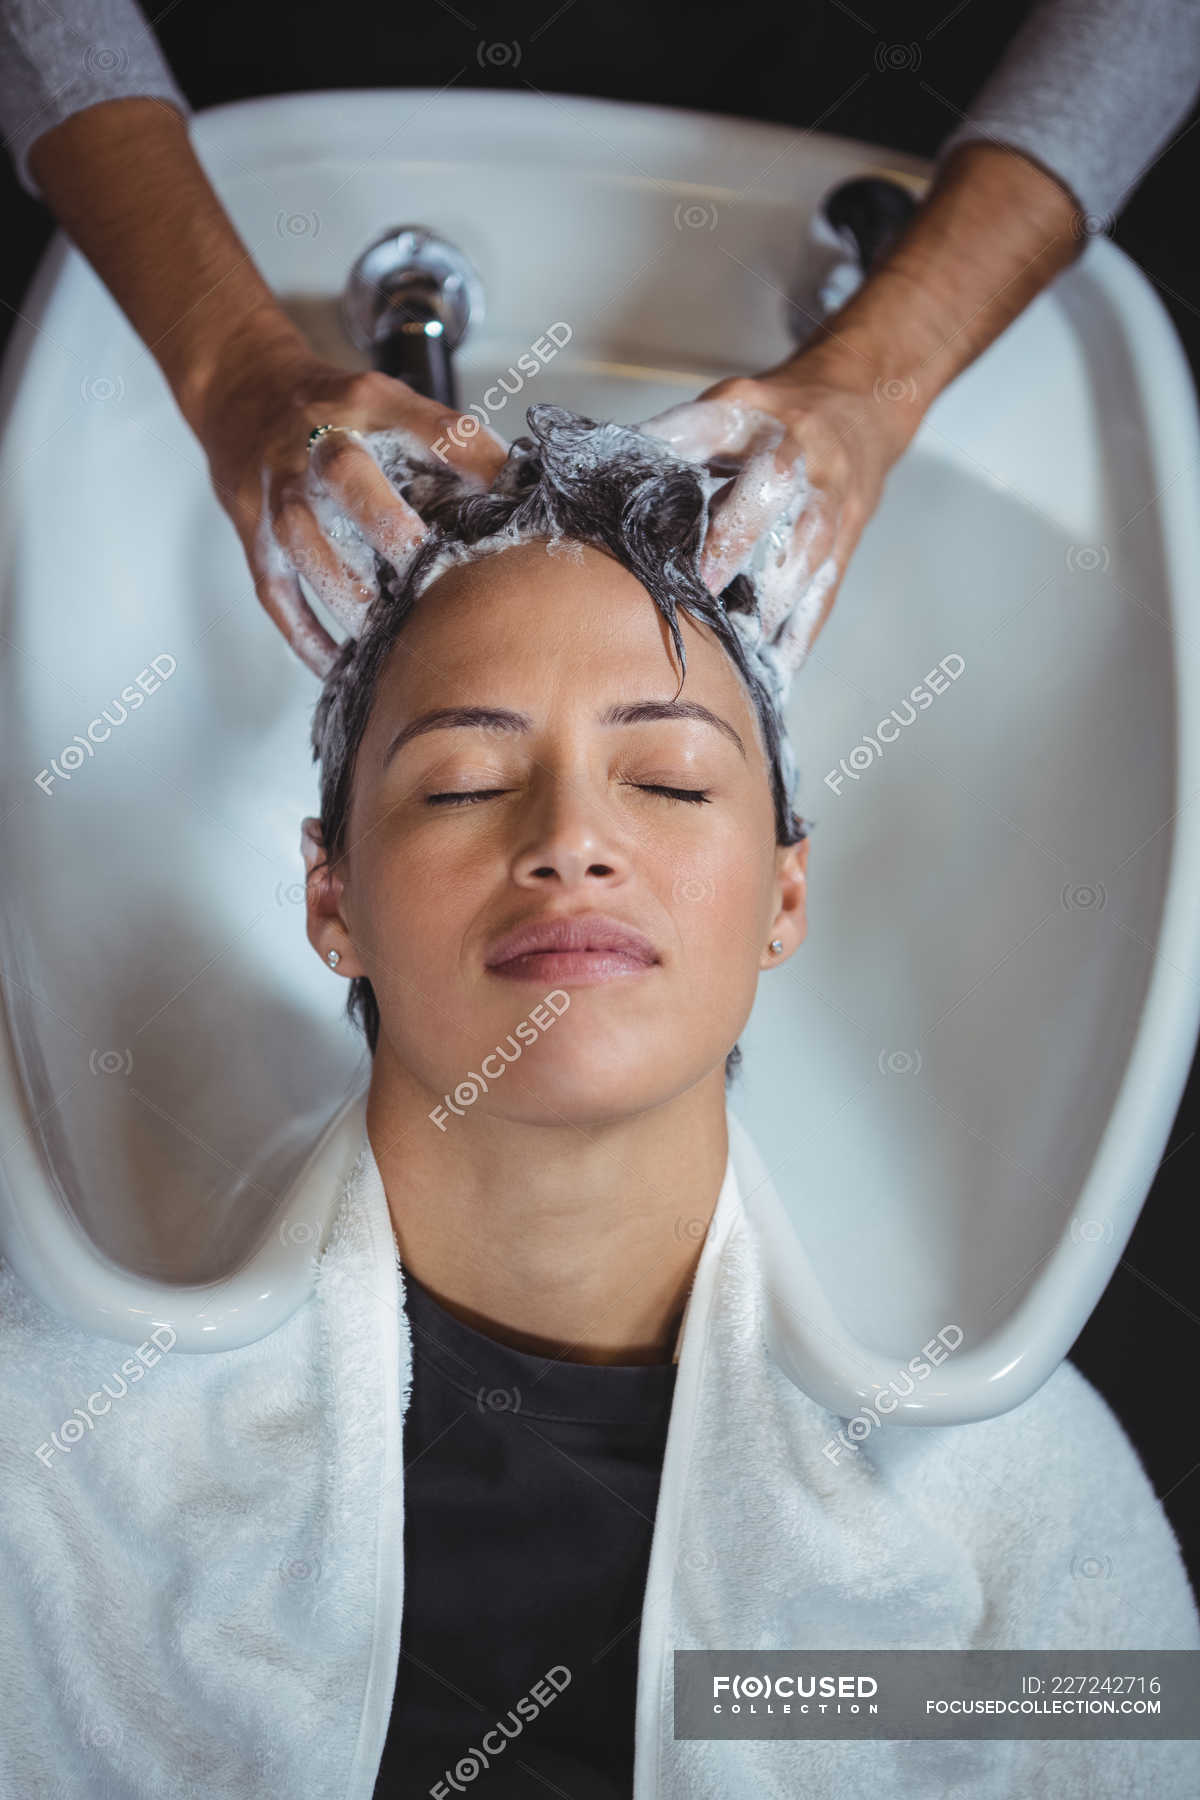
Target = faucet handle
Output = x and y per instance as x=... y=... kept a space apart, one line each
x=851 y=231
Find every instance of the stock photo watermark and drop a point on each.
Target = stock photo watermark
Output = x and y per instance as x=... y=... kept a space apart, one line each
x=918 y=1368
x=468 y=1091
x=921 y=697
x=84 y=1417
x=529 y=1708
x=470 y=423
x=83 y=744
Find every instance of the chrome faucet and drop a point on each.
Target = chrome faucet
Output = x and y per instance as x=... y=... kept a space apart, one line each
x=409 y=302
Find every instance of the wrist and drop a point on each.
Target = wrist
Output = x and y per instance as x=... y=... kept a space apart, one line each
x=263 y=347
x=878 y=369
x=992 y=232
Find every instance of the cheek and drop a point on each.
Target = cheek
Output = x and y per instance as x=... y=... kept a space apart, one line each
x=409 y=907
x=718 y=894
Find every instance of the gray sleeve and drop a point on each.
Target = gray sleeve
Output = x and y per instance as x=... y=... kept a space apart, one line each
x=55 y=60
x=1092 y=90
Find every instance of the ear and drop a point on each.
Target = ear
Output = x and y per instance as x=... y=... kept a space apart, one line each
x=327 y=929
x=791 y=887
x=312 y=844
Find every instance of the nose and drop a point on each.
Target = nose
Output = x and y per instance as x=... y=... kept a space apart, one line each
x=571 y=834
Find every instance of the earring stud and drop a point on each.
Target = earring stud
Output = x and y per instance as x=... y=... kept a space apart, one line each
x=334 y=958
x=776 y=945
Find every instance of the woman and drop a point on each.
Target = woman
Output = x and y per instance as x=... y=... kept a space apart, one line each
x=500 y=754
x=547 y=1217
x=451 y=1521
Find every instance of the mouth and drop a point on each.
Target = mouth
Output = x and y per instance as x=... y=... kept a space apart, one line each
x=581 y=948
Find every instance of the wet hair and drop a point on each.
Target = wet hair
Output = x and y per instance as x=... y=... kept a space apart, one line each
x=574 y=480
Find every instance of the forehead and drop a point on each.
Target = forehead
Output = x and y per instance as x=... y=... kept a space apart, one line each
x=527 y=622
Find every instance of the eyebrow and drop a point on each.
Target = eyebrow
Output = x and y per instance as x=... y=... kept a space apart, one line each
x=500 y=718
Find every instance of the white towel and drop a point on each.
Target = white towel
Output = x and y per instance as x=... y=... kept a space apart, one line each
x=202 y=1596
x=1037 y=1529
x=189 y=1592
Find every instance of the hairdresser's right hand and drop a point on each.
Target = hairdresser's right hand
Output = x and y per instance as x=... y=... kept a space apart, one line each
x=286 y=504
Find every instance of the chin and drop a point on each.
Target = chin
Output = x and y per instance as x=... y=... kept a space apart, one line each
x=582 y=1082
x=586 y=1105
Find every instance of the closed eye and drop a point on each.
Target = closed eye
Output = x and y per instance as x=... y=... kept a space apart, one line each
x=694 y=796
x=697 y=796
x=461 y=799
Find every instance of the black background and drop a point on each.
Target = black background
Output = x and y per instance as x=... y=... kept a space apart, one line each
x=1138 y=1346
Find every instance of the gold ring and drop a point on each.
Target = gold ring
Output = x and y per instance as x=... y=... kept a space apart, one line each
x=320 y=430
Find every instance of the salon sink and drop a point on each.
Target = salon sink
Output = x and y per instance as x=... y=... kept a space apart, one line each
x=963 y=1081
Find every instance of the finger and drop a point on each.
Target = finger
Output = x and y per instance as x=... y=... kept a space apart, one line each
x=689 y=429
x=278 y=591
x=815 y=602
x=763 y=495
x=284 y=603
x=808 y=615
x=343 y=468
x=698 y=430
x=794 y=550
x=712 y=430
x=472 y=447
x=461 y=440
x=342 y=575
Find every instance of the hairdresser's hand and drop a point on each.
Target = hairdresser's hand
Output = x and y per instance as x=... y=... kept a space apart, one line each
x=808 y=447
x=320 y=515
x=125 y=183
x=994 y=229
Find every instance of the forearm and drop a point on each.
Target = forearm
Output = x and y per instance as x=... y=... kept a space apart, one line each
x=127 y=187
x=993 y=231
x=1091 y=90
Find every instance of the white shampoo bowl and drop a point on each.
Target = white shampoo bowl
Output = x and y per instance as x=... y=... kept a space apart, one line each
x=961 y=1083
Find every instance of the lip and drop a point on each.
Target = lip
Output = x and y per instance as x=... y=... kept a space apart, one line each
x=589 y=945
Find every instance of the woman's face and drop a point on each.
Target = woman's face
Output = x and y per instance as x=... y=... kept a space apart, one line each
x=467 y=830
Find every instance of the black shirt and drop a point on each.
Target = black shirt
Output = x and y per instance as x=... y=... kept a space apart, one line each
x=530 y=1491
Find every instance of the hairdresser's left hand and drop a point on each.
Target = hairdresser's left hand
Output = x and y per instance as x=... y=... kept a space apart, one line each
x=809 y=444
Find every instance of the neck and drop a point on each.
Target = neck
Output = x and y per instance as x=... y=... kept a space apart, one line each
x=571 y=1241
